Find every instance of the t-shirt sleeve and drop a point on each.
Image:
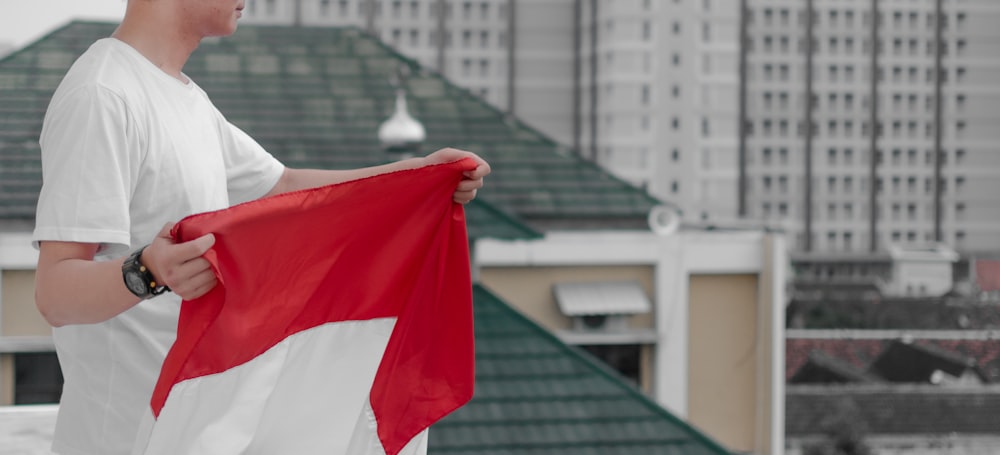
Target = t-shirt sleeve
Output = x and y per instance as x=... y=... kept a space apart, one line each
x=90 y=162
x=250 y=171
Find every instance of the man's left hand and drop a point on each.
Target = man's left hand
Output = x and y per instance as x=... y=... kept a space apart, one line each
x=472 y=181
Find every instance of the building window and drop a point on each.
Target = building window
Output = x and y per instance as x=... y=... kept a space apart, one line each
x=37 y=378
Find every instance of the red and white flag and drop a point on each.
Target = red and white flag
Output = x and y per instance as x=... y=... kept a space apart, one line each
x=341 y=324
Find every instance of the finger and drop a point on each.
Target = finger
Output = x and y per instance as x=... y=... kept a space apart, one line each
x=202 y=281
x=469 y=185
x=194 y=248
x=463 y=197
x=192 y=268
x=178 y=275
x=199 y=290
x=480 y=171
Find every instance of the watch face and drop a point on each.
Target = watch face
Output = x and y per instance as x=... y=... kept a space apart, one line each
x=135 y=283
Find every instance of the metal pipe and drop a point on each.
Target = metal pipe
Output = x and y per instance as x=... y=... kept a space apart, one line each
x=741 y=188
x=873 y=133
x=808 y=210
x=593 y=80
x=512 y=56
x=938 y=121
x=577 y=75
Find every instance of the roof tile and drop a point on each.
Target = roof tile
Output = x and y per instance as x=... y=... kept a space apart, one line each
x=315 y=96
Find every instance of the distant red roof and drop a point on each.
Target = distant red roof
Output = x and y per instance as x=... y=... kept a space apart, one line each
x=860 y=353
x=988 y=274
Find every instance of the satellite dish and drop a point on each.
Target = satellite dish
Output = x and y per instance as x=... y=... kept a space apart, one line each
x=664 y=220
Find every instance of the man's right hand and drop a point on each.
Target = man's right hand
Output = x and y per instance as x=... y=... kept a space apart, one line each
x=181 y=266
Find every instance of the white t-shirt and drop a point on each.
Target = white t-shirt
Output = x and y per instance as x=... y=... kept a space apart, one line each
x=127 y=148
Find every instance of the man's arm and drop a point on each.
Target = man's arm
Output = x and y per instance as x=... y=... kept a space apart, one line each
x=300 y=179
x=72 y=288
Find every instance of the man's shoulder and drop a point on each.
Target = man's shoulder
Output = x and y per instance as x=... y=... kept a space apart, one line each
x=103 y=65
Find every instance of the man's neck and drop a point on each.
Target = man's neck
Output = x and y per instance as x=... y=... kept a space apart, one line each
x=157 y=35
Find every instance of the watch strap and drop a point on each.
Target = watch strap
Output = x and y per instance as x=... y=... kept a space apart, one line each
x=134 y=262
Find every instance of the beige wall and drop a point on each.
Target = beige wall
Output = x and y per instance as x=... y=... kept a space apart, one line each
x=724 y=361
x=529 y=289
x=18 y=314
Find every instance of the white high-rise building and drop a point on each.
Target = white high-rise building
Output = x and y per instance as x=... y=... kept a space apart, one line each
x=660 y=99
x=914 y=114
x=652 y=90
x=646 y=88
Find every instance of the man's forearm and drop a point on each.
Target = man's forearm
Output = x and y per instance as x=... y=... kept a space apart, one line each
x=80 y=291
x=301 y=179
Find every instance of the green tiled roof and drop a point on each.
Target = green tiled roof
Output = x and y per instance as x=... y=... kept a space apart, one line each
x=537 y=395
x=314 y=97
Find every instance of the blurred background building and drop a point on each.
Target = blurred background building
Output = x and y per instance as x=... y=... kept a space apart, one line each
x=684 y=325
x=750 y=116
x=653 y=91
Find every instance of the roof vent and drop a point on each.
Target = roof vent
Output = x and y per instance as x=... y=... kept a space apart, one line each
x=401 y=135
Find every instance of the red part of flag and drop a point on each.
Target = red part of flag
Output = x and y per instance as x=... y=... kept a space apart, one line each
x=392 y=245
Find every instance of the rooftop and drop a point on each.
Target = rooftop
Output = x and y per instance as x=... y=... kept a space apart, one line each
x=886 y=409
x=955 y=355
x=314 y=97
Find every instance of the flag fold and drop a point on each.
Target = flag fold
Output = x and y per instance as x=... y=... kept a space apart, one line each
x=341 y=324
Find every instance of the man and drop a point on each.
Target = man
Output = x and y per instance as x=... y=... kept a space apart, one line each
x=129 y=146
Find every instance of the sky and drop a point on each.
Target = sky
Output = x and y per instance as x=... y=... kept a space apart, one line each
x=23 y=21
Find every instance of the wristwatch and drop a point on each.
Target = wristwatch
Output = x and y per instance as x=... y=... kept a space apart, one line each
x=138 y=279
